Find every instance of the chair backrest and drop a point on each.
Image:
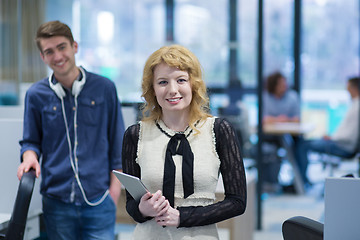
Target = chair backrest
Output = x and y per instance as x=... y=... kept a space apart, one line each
x=16 y=227
x=302 y=228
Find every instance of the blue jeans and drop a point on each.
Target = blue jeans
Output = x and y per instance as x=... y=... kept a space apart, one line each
x=320 y=146
x=329 y=147
x=302 y=161
x=72 y=222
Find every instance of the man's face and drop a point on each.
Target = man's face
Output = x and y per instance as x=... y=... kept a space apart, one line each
x=59 y=55
x=352 y=89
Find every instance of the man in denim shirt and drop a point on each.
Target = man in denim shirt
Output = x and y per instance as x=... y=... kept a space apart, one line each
x=74 y=127
x=282 y=104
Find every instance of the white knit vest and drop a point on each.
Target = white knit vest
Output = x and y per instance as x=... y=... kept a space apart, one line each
x=151 y=156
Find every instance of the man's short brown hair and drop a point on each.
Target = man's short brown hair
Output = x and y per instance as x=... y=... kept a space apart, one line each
x=354 y=81
x=52 y=29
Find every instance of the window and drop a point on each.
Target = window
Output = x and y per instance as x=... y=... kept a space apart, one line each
x=247 y=42
x=330 y=55
x=115 y=37
x=330 y=43
x=202 y=26
x=278 y=38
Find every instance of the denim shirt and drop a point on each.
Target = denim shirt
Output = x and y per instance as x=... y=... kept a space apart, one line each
x=100 y=129
x=288 y=105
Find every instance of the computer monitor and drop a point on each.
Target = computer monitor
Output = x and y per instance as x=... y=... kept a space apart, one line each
x=342 y=208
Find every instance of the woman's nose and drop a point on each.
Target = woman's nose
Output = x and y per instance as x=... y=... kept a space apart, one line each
x=173 y=87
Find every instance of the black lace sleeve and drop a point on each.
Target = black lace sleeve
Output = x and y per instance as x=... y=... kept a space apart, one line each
x=233 y=174
x=129 y=154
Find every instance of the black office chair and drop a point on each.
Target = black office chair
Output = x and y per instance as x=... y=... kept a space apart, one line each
x=16 y=227
x=333 y=161
x=302 y=228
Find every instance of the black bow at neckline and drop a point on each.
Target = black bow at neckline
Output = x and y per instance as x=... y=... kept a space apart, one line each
x=178 y=145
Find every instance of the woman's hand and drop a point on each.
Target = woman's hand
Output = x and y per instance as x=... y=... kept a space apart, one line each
x=153 y=205
x=170 y=218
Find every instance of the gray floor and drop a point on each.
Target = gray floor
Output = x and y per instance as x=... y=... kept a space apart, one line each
x=276 y=209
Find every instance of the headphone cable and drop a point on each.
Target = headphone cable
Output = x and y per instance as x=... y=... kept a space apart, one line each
x=75 y=166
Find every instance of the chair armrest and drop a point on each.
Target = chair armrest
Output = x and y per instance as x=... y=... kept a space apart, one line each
x=18 y=219
x=299 y=228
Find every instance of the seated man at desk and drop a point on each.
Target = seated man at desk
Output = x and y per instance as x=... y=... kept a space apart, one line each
x=344 y=141
x=282 y=104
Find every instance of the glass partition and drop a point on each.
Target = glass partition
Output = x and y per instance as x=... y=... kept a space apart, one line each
x=115 y=37
x=330 y=55
x=202 y=26
x=247 y=42
x=279 y=38
x=330 y=43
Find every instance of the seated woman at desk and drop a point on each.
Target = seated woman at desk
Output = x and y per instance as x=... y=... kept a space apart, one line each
x=281 y=104
x=178 y=151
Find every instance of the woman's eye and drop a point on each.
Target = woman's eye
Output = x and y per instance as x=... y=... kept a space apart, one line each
x=163 y=82
x=181 y=80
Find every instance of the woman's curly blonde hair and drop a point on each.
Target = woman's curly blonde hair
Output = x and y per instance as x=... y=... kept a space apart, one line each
x=183 y=59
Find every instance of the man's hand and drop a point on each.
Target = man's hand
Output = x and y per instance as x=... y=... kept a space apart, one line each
x=30 y=160
x=115 y=187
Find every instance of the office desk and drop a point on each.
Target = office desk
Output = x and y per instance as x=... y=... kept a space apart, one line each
x=291 y=128
x=285 y=131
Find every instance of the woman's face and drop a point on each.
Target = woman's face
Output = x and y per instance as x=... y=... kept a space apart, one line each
x=172 y=89
x=281 y=87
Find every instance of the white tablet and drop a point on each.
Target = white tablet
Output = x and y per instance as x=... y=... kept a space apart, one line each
x=132 y=184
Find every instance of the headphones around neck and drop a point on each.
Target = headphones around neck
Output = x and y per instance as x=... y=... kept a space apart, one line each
x=76 y=87
x=75 y=90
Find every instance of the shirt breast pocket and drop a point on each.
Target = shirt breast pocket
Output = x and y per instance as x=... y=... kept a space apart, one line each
x=90 y=110
x=52 y=116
